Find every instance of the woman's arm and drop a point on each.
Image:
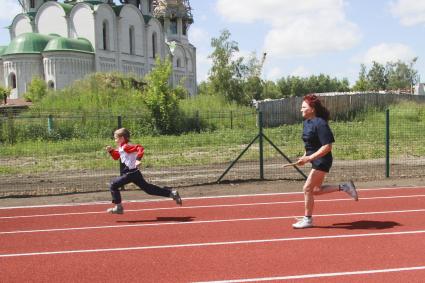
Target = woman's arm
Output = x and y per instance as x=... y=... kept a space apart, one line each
x=323 y=150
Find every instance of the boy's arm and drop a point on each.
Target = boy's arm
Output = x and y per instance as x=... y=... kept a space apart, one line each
x=129 y=148
x=113 y=152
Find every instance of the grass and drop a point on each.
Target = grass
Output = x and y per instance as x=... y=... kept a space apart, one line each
x=363 y=138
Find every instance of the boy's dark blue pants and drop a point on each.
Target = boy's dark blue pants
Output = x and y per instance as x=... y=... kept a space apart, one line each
x=136 y=177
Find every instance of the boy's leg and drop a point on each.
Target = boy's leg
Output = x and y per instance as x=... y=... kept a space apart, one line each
x=151 y=189
x=115 y=186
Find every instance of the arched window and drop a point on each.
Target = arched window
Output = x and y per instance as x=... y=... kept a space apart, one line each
x=150 y=6
x=51 y=85
x=32 y=4
x=179 y=63
x=105 y=35
x=154 y=45
x=131 y=39
x=185 y=27
x=12 y=80
x=173 y=26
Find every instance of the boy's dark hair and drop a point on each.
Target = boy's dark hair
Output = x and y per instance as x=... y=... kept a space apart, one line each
x=123 y=132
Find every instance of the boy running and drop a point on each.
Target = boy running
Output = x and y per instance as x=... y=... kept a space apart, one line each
x=130 y=155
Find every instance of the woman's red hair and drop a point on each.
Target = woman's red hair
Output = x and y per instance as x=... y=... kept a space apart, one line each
x=313 y=101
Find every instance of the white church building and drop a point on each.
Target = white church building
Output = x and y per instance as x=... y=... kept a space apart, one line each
x=61 y=42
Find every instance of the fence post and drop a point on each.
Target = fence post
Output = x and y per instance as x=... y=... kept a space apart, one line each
x=197 y=121
x=260 y=135
x=119 y=124
x=387 y=143
x=231 y=119
x=10 y=127
x=50 y=123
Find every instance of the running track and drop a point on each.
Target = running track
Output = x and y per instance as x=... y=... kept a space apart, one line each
x=381 y=238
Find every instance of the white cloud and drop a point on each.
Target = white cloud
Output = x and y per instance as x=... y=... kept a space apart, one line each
x=274 y=74
x=9 y=9
x=301 y=71
x=388 y=52
x=198 y=36
x=301 y=28
x=409 y=12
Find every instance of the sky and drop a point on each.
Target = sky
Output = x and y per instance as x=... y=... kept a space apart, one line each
x=302 y=37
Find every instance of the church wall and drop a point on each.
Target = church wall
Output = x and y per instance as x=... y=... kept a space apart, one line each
x=51 y=18
x=63 y=68
x=154 y=26
x=105 y=14
x=131 y=17
x=106 y=60
x=144 y=5
x=1 y=73
x=22 y=24
x=25 y=67
x=82 y=23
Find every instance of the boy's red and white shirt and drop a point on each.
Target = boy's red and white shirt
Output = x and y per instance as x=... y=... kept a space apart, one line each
x=128 y=153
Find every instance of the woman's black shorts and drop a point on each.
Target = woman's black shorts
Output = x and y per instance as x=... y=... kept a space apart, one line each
x=322 y=164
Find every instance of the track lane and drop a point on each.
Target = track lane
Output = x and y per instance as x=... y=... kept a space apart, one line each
x=195 y=212
x=223 y=262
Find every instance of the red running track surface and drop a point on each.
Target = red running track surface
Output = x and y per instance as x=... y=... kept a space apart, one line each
x=241 y=238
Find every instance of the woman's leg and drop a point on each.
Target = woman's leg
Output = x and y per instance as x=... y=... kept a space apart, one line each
x=313 y=186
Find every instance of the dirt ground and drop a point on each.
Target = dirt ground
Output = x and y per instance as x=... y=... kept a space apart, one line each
x=235 y=188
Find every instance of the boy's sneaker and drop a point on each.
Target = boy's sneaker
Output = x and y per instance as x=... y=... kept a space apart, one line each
x=175 y=195
x=116 y=210
x=350 y=189
x=304 y=222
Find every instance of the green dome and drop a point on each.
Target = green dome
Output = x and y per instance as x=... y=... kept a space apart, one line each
x=28 y=43
x=2 y=49
x=67 y=44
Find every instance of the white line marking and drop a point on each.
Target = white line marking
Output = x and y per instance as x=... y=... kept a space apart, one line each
x=192 y=198
x=319 y=275
x=204 y=206
x=204 y=222
x=244 y=242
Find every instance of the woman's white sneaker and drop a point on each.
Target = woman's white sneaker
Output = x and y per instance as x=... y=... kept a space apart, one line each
x=350 y=189
x=305 y=222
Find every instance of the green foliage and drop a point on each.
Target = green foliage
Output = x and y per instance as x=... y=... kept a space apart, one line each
x=392 y=76
x=225 y=74
x=161 y=99
x=297 y=86
x=362 y=83
x=37 y=89
x=99 y=92
x=4 y=91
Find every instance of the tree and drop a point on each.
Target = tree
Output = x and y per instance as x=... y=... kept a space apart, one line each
x=4 y=93
x=37 y=89
x=401 y=75
x=161 y=99
x=225 y=74
x=362 y=83
x=377 y=77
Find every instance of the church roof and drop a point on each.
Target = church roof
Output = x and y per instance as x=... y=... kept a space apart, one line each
x=2 y=49
x=28 y=43
x=33 y=43
x=68 y=44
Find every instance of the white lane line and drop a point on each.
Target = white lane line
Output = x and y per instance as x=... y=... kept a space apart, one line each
x=320 y=275
x=203 y=222
x=205 y=206
x=191 y=198
x=245 y=242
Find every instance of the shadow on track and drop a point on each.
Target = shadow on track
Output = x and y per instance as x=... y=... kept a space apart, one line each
x=161 y=219
x=363 y=225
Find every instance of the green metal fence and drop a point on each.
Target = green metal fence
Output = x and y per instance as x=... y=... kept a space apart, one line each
x=55 y=153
